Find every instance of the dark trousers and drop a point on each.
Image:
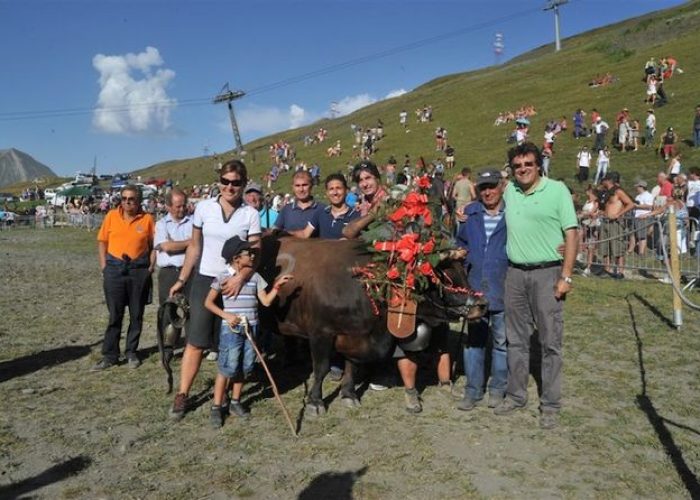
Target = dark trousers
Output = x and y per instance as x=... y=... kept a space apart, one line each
x=124 y=289
x=599 y=142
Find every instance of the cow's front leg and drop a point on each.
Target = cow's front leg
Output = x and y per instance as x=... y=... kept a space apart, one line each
x=321 y=352
x=347 y=388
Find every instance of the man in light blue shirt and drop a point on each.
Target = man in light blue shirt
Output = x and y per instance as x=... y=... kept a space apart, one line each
x=173 y=234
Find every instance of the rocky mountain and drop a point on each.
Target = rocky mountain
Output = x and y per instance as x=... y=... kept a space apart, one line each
x=17 y=166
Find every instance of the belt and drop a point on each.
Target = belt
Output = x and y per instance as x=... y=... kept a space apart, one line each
x=172 y=267
x=535 y=265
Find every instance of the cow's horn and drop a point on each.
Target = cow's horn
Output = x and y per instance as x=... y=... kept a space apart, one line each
x=454 y=254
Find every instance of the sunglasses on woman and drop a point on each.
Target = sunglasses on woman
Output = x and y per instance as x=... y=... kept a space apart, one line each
x=231 y=182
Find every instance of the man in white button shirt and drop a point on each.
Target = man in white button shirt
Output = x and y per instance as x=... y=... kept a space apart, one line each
x=173 y=233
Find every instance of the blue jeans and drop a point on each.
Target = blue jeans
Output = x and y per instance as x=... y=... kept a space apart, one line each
x=490 y=329
x=232 y=344
x=697 y=138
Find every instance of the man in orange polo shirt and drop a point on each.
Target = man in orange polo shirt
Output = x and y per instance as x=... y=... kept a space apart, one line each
x=124 y=246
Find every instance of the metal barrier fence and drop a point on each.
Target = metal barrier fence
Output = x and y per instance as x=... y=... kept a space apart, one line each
x=59 y=219
x=630 y=243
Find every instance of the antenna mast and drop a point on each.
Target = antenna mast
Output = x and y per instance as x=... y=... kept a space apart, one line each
x=226 y=95
x=554 y=5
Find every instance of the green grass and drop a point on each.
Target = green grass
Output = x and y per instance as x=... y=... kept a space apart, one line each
x=607 y=445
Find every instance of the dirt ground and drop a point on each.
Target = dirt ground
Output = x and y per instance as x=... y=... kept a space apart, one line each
x=629 y=428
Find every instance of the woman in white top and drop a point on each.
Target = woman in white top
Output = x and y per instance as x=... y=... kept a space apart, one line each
x=589 y=226
x=603 y=164
x=215 y=221
x=674 y=167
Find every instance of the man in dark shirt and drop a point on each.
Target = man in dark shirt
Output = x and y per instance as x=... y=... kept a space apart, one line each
x=296 y=217
x=334 y=217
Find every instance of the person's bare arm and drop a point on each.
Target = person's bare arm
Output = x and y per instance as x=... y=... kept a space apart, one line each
x=627 y=202
x=173 y=247
x=210 y=304
x=266 y=298
x=192 y=254
x=567 y=270
x=353 y=229
x=102 y=254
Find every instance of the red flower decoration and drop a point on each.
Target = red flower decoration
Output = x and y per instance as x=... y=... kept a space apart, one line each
x=426 y=269
x=429 y=246
x=423 y=182
x=410 y=280
x=393 y=273
x=413 y=206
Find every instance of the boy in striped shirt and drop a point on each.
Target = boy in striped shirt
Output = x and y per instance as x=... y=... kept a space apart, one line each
x=233 y=343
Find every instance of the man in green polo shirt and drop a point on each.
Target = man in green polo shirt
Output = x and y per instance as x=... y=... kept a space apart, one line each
x=540 y=217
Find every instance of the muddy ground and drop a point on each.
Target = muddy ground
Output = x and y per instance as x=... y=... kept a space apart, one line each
x=630 y=426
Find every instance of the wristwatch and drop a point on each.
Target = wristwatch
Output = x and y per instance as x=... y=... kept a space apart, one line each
x=180 y=280
x=567 y=280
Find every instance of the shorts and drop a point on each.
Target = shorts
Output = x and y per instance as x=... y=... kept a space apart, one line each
x=615 y=247
x=437 y=344
x=236 y=352
x=449 y=159
x=641 y=228
x=202 y=326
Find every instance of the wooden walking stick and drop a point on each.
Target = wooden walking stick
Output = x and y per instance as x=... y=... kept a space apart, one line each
x=246 y=329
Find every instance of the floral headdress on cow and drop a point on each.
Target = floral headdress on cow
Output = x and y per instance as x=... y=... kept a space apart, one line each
x=408 y=241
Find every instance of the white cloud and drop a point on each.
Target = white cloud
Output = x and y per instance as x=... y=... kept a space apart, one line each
x=352 y=103
x=260 y=120
x=256 y=121
x=297 y=116
x=395 y=93
x=133 y=94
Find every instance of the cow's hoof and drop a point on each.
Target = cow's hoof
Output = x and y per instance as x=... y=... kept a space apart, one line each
x=313 y=410
x=351 y=402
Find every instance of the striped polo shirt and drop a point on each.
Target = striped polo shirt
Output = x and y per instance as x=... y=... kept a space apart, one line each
x=246 y=302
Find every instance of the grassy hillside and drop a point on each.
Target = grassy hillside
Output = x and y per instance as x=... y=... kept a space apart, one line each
x=556 y=84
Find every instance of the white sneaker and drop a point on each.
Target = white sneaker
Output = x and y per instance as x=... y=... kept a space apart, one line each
x=212 y=356
x=586 y=272
x=377 y=387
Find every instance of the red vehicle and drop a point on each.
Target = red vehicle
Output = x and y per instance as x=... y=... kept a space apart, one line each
x=156 y=182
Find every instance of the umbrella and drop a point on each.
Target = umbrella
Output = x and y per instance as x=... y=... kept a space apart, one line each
x=523 y=121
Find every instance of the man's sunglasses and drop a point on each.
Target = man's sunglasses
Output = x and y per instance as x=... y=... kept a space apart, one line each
x=230 y=182
x=130 y=199
x=523 y=164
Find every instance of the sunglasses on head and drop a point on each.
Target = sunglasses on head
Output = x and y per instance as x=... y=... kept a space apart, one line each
x=129 y=199
x=231 y=182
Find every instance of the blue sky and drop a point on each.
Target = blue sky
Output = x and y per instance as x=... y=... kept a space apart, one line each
x=131 y=83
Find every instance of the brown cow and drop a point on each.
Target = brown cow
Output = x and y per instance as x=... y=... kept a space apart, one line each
x=330 y=307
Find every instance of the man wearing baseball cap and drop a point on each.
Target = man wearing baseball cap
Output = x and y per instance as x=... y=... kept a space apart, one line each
x=483 y=235
x=253 y=197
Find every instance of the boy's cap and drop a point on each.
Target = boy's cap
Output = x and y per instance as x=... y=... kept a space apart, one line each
x=252 y=186
x=233 y=247
x=490 y=176
x=641 y=184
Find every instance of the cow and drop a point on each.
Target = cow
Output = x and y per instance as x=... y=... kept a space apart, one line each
x=328 y=305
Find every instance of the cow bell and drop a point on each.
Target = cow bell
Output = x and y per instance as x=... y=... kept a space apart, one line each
x=418 y=340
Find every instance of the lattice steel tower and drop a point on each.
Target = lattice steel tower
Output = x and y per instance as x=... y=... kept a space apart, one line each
x=228 y=96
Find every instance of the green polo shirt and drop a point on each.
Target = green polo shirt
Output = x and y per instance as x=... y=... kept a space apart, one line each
x=536 y=221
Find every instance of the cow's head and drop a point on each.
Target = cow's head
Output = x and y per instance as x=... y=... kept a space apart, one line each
x=454 y=300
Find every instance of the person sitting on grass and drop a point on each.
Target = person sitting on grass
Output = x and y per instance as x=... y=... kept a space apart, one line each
x=232 y=341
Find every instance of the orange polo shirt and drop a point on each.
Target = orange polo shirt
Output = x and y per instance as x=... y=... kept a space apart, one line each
x=133 y=238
